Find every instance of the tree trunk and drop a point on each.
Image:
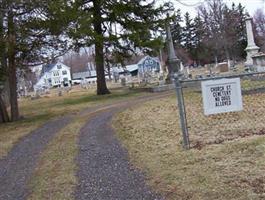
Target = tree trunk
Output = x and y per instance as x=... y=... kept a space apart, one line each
x=3 y=65
x=99 y=46
x=12 y=68
x=3 y=111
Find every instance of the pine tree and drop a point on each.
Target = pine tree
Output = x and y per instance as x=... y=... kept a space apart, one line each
x=26 y=29
x=188 y=33
x=200 y=51
x=224 y=29
x=124 y=26
x=176 y=28
x=241 y=42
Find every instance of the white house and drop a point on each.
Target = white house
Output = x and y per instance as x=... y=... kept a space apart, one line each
x=54 y=75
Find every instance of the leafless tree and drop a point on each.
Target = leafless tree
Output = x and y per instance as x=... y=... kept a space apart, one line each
x=259 y=28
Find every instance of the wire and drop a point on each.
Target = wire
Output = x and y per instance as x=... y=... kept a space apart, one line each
x=190 y=5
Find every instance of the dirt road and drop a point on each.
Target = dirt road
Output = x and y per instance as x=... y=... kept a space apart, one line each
x=104 y=171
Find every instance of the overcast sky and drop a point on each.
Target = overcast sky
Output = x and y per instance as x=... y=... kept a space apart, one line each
x=250 y=5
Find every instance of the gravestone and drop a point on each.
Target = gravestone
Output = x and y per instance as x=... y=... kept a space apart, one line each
x=123 y=81
x=259 y=62
x=223 y=67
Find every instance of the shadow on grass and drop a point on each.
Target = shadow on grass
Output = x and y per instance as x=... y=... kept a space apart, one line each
x=44 y=116
x=98 y=98
x=29 y=120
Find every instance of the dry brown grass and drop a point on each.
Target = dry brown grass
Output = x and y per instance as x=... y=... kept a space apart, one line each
x=231 y=170
x=37 y=112
x=215 y=129
x=55 y=175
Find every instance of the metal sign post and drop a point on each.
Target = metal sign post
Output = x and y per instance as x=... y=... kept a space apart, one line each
x=182 y=113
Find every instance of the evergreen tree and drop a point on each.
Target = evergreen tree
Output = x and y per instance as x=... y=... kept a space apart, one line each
x=241 y=42
x=26 y=37
x=224 y=29
x=188 y=35
x=177 y=29
x=124 y=26
x=200 y=51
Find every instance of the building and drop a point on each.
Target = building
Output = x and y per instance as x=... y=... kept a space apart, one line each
x=54 y=75
x=146 y=65
x=88 y=75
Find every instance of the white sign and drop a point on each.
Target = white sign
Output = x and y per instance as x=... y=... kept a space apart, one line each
x=221 y=96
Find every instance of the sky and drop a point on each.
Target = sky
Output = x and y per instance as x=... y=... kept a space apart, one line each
x=250 y=5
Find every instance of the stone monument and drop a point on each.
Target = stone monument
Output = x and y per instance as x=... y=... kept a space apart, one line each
x=252 y=48
x=173 y=62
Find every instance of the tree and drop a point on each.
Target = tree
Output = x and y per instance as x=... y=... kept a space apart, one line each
x=177 y=29
x=259 y=28
x=212 y=15
x=239 y=24
x=224 y=28
x=123 y=26
x=26 y=38
x=78 y=61
x=188 y=33
x=200 y=50
x=3 y=69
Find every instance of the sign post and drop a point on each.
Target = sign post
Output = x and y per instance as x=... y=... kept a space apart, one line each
x=221 y=96
x=182 y=113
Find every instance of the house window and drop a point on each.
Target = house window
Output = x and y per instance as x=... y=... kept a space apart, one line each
x=59 y=66
x=57 y=81
x=64 y=72
x=56 y=73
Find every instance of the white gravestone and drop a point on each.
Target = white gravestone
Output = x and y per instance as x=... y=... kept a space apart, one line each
x=221 y=96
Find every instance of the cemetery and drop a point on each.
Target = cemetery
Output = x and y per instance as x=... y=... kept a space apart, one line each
x=122 y=105
x=226 y=145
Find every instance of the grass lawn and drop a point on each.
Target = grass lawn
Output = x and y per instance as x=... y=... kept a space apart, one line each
x=216 y=129
x=231 y=169
x=36 y=112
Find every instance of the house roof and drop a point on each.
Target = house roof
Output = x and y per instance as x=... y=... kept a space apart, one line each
x=47 y=68
x=131 y=68
x=85 y=74
x=148 y=57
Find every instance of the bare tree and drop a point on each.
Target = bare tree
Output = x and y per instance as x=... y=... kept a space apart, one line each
x=224 y=27
x=259 y=28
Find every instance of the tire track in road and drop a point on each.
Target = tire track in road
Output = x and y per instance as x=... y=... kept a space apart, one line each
x=104 y=170
x=17 y=167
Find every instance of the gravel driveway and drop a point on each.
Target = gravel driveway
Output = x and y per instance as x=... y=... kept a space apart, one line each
x=105 y=172
x=17 y=167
